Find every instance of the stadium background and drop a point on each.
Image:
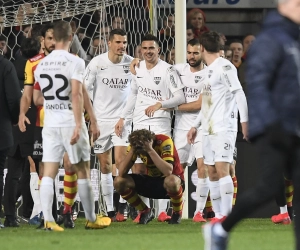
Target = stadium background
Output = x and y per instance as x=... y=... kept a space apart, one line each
x=234 y=18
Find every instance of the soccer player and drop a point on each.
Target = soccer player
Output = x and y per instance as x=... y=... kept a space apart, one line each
x=192 y=76
x=221 y=95
x=156 y=85
x=163 y=180
x=273 y=126
x=60 y=76
x=107 y=79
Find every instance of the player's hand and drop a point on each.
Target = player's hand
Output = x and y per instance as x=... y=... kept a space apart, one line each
x=191 y=135
x=21 y=123
x=151 y=109
x=119 y=127
x=134 y=63
x=76 y=135
x=245 y=130
x=147 y=147
x=94 y=130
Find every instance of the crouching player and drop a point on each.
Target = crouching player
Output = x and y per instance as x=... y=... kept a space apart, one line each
x=164 y=179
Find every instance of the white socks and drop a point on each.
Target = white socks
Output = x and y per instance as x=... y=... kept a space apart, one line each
x=108 y=191
x=215 y=197
x=201 y=193
x=121 y=200
x=226 y=190
x=283 y=210
x=162 y=205
x=87 y=198
x=35 y=193
x=46 y=195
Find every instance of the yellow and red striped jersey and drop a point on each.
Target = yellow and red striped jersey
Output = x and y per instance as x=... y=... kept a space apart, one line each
x=165 y=148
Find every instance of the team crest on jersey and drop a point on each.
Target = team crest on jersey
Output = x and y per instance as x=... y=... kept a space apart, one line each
x=197 y=78
x=126 y=69
x=172 y=80
x=157 y=80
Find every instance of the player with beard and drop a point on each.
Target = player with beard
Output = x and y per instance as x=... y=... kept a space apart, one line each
x=192 y=77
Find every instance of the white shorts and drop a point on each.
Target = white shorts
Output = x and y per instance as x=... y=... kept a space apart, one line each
x=187 y=152
x=108 y=137
x=219 y=147
x=164 y=129
x=56 y=141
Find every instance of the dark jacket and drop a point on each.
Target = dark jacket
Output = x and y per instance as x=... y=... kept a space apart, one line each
x=10 y=94
x=273 y=77
x=23 y=140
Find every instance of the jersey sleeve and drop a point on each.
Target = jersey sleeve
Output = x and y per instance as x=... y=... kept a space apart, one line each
x=78 y=73
x=90 y=78
x=173 y=79
x=134 y=156
x=167 y=150
x=230 y=77
x=28 y=74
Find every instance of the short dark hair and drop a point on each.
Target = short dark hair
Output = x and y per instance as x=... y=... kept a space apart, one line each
x=150 y=37
x=193 y=42
x=62 y=31
x=119 y=32
x=30 y=47
x=210 y=40
x=36 y=30
x=236 y=41
x=138 y=137
x=45 y=28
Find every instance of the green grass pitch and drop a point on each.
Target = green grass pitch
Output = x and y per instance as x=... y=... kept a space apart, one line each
x=251 y=234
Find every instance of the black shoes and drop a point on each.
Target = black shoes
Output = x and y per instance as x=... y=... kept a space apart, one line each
x=175 y=218
x=146 y=216
x=67 y=220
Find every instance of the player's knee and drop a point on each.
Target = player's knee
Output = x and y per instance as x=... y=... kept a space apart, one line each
x=172 y=183
x=119 y=184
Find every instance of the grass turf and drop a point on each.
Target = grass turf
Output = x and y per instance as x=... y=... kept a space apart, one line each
x=251 y=234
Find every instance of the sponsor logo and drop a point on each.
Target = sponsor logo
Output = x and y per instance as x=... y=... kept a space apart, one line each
x=103 y=68
x=157 y=80
x=139 y=76
x=154 y=94
x=116 y=83
x=181 y=75
x=227 y=80
x=172 y=80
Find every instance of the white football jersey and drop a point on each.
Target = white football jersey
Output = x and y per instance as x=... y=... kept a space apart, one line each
x=219 y=108
x=110 y=85
x=157 y=84
x=193 y=83
x=54 y=74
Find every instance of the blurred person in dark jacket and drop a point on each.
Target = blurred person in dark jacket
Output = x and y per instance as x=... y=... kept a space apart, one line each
x=10 y=94
x=22 y=148
x=273 y=79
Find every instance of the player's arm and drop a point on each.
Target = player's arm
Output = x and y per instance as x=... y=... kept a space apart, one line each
x=164 y=162
x=191 y=135
x=127 y=163
x=230 y=78
x=26 y=97
x=90 y=78
x=38 y=98
x=128 y=109
x=89 y=109
x=175 y=86
x=191 y=106
x=134 y=63
x=77 y=107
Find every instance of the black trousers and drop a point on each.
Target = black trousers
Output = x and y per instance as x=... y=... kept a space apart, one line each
x=3 y=154
x=17 y=178
x=274 y=161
